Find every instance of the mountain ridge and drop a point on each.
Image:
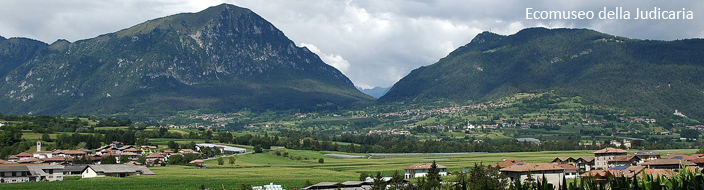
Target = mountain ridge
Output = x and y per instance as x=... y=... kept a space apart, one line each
x=651 y=76
x=221 y=59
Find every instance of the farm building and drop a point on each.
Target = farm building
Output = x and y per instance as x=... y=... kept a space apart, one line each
x=114 y=170
x=14 y=174
x=223 y=148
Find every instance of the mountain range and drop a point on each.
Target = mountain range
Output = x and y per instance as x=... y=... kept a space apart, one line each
x=222 y=59
x=648 y=76
x=375 y=92
x=227 y=58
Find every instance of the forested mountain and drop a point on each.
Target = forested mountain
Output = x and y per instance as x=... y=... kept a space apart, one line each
x=654 y=77
x=221 y=59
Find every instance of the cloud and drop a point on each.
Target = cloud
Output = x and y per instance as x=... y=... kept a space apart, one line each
x=331 y=59
x=374 y=43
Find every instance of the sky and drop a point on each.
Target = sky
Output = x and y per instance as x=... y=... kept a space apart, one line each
x=373 y=42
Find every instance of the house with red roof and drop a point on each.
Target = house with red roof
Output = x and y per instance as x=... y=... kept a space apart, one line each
x=603 y=156
x=24 y=156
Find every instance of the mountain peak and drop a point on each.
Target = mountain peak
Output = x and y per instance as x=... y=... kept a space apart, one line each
x=651 y=76
x=223 y=58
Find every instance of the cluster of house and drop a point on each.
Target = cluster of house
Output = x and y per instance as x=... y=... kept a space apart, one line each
x=417 y=112
x=15 y=173
x=697 y=127
x=412 y=171
x=390 y=132
x=637 y=120
x=53 y=165
x=608 y=162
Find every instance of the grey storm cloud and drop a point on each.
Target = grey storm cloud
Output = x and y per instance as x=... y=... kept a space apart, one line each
x=374 y=43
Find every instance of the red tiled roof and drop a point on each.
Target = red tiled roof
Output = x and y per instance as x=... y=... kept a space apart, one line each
x=698 y=161
x=568 y=167
x=667 y=162
x=610 y=150
x=588 y=158
x=562 y=159
x=629 y=172
x=422 y=166
x=54 y=159
x=625 y=158
x=507 y=163
x=659 y=172
x=596 y=174
x=532 y=167
x=23 y=154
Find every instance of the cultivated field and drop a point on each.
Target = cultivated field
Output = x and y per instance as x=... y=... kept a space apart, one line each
x=263 y=168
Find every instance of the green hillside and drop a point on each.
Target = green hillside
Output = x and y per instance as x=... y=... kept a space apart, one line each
x=653 y=77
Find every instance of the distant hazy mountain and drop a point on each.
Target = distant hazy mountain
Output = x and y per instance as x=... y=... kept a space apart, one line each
x=375 y=92
x=650 y=76
x=224 y=58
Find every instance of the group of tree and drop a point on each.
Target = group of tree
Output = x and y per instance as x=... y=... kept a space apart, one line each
x=11 y=141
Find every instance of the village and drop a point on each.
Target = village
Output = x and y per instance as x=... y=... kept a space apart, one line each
x=135 y=160
x=56 y=164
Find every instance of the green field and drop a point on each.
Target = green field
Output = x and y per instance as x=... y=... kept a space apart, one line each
x=265 y=168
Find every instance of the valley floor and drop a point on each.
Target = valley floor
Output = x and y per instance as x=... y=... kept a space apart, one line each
x=264 y=168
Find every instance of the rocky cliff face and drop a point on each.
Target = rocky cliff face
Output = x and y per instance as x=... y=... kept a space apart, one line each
x=223 y=58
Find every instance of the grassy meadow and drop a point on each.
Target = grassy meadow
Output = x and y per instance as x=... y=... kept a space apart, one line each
x=263 y=168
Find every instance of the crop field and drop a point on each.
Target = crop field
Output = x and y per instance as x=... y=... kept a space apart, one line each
x=264 y=168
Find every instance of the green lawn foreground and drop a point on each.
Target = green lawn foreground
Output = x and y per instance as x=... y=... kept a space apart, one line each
x=264 y=168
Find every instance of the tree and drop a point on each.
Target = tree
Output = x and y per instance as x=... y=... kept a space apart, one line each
x=258 y=149
x=124 y=158
x=396 y=181
x=142 y=141
x=173 y=146
x=110 y=159
x=363 y=176
x=189 y=157
x=221 y=161
x=433 y=177
x=46 y=138
x=142 y=160
x=162 y=131
x=379 y=183
x=321 y=161
x=689 y=133
x=434 y=172
x=176 y=159
x=232 y=160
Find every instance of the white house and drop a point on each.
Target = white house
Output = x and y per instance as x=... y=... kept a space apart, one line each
x=421 y=170
x=571 y=172
x=114 y=170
